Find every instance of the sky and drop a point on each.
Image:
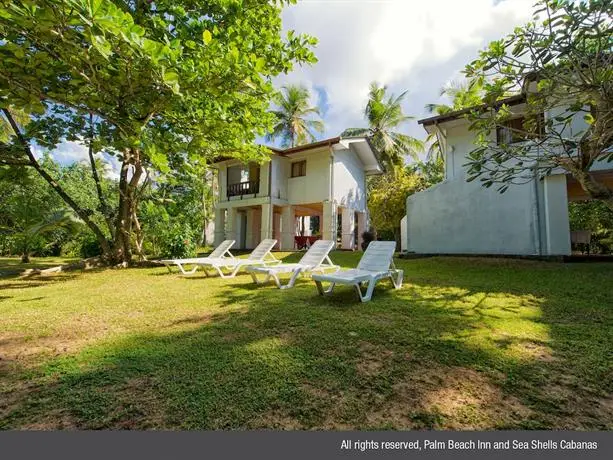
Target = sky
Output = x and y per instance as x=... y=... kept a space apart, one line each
x=409 y=45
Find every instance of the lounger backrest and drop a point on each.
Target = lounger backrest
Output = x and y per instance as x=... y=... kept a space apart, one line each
x=378 y=256
x=220 y=250
x=317 y=253
x=262 y=249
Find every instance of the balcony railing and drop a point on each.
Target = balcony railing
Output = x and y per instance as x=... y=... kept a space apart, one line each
x=243 y=188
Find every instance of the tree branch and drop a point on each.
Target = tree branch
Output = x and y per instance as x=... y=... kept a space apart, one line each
x=82 y=213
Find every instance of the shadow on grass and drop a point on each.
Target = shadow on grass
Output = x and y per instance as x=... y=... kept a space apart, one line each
x=463 y=352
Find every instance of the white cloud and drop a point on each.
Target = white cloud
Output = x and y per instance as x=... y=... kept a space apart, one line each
x=407 y=44
x=69 y=152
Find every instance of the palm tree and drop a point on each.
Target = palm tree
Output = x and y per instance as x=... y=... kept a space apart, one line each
x=295 y=123
x=462 y=94
x=26 y=232
x=384 y=115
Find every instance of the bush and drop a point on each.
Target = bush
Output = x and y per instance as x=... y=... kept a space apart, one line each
x=367 y=237
x=179 y=241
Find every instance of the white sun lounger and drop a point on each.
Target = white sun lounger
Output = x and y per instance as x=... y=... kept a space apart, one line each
x=221 y=252
x=377 y=263
x=261 y=255
x=315 y=259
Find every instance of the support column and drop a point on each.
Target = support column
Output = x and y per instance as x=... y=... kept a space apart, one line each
x=288 y=228
x=348 y=229
x=276 y=228
x=362 y=227
x=328 y=221
x=250 y=233
x=220 y=225
x=232 y=225
x=266 y=222
x=307 y=225
x=557 y=227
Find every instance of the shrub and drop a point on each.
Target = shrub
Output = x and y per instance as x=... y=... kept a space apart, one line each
x=367 y=237
x=179 y=241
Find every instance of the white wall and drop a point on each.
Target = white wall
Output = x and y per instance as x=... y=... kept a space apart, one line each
x=349 y=181
x=459 y=217
x=315 y=186
x=280 y=173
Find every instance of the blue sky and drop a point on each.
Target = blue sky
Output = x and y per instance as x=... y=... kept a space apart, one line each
x=412 y=45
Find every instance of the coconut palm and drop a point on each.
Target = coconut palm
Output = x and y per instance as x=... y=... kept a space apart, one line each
x=462 y=94
x=296 y=119
x=384 y=114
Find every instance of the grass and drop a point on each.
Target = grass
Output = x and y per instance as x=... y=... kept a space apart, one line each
x=465 y=344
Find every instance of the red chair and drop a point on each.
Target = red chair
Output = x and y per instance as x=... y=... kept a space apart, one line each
x=300 y=242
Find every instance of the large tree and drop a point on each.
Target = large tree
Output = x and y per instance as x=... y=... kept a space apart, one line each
x=385 y=115
x=142 y=81
x=387 y=197
x=563 y=62
x=296 y=120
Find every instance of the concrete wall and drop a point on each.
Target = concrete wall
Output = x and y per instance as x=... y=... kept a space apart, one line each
x=280 y=173
x=349 y=181
x=462 y=218
x=459 y=217
x=315 y=186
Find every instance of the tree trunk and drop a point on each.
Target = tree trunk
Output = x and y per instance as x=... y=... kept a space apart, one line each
x=25 y=258
x=398 y=237
x=122 y=249
x=593 y=188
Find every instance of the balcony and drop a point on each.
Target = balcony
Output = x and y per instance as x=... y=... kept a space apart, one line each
x=243 y=188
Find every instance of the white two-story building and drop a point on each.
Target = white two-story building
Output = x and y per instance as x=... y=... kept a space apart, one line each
x=315 y=188
x=460 y=217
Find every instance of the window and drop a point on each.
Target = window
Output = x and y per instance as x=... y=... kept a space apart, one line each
x=299 y=168
x=520 y=129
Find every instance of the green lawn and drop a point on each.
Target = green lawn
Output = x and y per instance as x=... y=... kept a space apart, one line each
x=465 y=344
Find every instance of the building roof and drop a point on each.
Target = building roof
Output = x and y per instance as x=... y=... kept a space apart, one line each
x=302 y=148
x=511 y=100
x=363 y=148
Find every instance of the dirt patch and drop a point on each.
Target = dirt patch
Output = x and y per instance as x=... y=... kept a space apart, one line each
x=139 y=407
x=276 y=420
x=373 y=359
x=448 y=398
x=54 y=420
x=533 y=351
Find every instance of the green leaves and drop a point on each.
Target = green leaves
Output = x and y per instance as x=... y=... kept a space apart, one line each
x=207 y=37
x=172 y=80
x=102 y=45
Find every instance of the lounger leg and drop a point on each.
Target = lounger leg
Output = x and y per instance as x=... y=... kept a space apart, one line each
x=184 y=272
x=255 y=279
x=235 y=271
x=292 y=280
x=398 y=279
x=369 y=290
x=323 y=291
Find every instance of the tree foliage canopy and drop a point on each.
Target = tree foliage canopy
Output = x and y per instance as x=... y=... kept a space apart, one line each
x=563 y=62
x=154 y=83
